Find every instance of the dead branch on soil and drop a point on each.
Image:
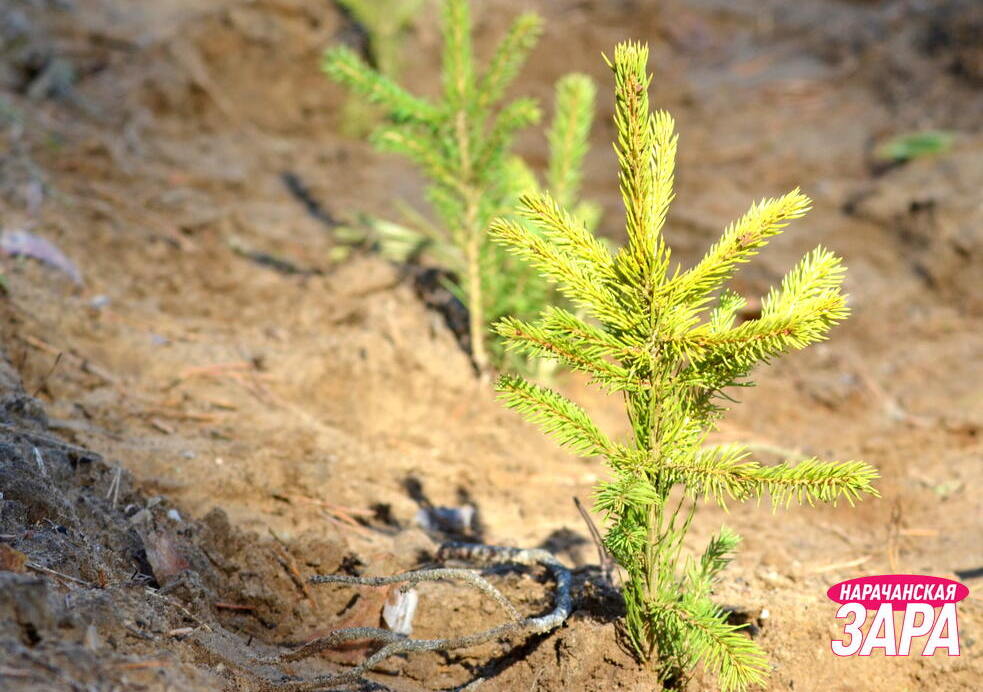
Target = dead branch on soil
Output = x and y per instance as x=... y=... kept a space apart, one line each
x=609 y=568
x=58 y=575
x=395 y=644
x=288 y=563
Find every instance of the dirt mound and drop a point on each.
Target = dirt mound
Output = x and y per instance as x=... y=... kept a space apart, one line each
x=101 y=585
x=933 y=208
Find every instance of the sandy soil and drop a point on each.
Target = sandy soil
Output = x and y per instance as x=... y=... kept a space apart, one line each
x=213 y=430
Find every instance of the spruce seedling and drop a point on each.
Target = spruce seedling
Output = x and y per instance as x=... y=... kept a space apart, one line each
x=463 y=142
x=669 y=342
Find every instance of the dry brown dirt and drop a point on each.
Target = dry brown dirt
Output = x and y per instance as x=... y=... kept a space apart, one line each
x=213 y=431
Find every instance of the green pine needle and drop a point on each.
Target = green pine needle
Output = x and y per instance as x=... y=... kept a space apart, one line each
x=557 y=416
x=509 y=58
x=345 y=67
x=718 y=553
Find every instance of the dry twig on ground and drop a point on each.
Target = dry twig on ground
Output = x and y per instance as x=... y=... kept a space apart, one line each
x=395 y=644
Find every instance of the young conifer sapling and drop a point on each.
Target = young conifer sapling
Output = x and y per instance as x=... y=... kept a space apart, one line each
x=463 y=144
x=668 y=340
